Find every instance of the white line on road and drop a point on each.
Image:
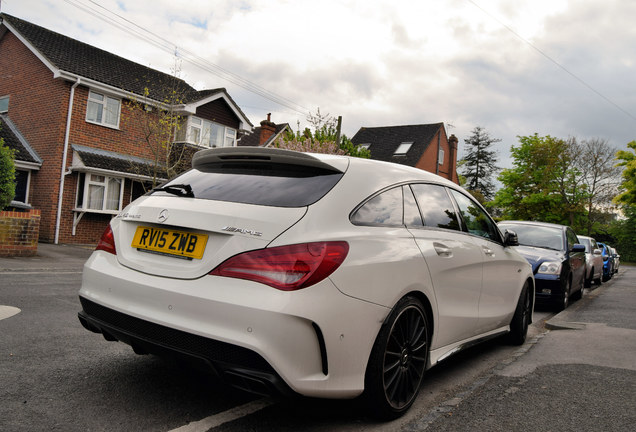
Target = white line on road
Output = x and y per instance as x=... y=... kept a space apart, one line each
x=225 y=416
x=8 y=311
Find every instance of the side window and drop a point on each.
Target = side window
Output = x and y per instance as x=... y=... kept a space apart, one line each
x=436 y=206
x=412 y=216
x=384 y=209
x=476 y=220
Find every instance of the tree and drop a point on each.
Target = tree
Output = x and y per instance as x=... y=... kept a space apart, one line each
x=160 y=123
x=480 y=163
x=628 y=161
x=624 y=233
x=324 y=139
x=544 y=184
x=600 y=176
x=7 y=175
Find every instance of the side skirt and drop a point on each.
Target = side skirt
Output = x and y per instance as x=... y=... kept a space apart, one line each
x=441 y=354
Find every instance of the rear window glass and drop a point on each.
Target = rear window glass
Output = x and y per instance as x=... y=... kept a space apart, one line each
x=266 y=184
x=384 y=209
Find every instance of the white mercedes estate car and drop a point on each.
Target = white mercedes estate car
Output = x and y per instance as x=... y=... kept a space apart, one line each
x=319 y=275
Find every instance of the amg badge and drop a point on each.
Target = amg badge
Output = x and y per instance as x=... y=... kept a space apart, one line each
x=242 y=231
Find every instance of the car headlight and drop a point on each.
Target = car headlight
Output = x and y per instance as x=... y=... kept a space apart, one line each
x=550 y=268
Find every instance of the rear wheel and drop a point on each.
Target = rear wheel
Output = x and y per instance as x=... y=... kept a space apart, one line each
x=398 y=360
x=521 y=318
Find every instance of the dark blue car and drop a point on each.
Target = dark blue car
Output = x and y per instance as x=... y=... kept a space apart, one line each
x=608 y=261
x=557 y=259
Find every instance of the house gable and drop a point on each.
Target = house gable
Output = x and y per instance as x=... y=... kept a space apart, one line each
x=413 y=145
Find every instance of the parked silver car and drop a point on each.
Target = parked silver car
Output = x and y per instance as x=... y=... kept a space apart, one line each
x=593 y=261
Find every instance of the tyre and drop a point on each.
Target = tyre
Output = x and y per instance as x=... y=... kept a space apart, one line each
x=564 y=300
x=599 y=279
x=588 y=281
x=521 y=318
x=578 y=295
x=398 y=360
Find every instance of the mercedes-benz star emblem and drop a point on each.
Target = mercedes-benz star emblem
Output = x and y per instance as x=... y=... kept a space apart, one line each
x=163 y=215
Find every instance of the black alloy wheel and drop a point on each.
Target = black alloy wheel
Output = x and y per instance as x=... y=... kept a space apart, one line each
x=398 y=360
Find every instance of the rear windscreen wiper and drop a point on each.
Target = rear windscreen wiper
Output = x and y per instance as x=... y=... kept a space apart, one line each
x=184 y=190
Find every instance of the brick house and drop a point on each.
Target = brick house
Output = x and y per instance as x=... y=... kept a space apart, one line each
x=83 y=112
x=424 y=146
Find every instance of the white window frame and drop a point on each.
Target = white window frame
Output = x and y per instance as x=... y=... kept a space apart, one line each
x=93 y=98
x=89 y=181
x=403 y=148
x=440 y=157
x=365 y=145
x=198 y=130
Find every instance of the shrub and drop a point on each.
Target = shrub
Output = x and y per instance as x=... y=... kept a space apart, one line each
x=7 y=175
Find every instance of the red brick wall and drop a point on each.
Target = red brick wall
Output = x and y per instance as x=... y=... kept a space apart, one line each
x=37 y=105
x=19 y=233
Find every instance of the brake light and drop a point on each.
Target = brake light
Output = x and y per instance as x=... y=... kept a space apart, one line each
x=286 y=268
x=107 y=242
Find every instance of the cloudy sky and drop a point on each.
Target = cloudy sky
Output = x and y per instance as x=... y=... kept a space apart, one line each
x=554 y=67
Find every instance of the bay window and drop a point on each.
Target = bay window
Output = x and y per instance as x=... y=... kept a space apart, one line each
x=210 y=134
x=99 y=193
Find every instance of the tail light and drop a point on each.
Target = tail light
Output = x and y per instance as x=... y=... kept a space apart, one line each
x=286 y=268
x=107 y=242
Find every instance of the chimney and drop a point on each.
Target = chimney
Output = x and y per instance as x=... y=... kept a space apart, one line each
x=452 y=144
x=268 y=128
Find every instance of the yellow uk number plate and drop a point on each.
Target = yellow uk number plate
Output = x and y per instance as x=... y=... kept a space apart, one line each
x=180 y=244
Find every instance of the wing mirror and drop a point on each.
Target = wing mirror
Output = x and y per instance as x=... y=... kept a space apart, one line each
x=597 y=252
x=578 y=248
x=510 y=238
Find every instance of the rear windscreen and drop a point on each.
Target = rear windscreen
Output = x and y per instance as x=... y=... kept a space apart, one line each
x=267 y=184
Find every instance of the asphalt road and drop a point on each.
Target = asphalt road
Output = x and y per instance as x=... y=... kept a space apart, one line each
x=55 y=375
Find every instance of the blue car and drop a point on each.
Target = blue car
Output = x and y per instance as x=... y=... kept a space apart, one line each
x=557 y=259
x=608 y=261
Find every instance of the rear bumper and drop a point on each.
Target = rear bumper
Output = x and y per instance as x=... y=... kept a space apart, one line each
x=239 y=366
